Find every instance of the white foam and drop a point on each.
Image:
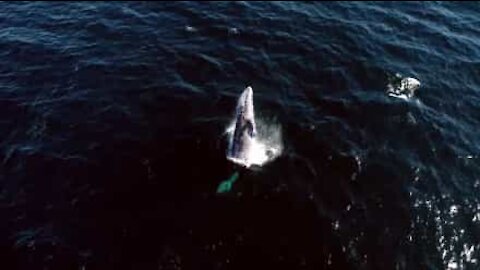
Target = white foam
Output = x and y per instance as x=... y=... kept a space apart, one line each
x=403 y=87
x=190 y=29
x=400 y=96
x=266 y=146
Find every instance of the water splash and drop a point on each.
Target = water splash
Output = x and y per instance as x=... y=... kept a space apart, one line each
x=266 y=146
x=402 y=87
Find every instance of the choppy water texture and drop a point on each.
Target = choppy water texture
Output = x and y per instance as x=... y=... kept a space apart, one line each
x=111 y=136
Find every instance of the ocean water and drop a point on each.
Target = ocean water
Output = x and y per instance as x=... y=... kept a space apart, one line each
x=112 y=120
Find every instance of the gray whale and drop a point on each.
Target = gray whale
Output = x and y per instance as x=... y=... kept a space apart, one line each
x=241 y=143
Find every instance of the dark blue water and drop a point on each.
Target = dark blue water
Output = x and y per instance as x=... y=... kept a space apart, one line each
x=111 y=146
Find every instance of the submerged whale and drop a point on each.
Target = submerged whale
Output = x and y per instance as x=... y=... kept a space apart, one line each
x=243 y=139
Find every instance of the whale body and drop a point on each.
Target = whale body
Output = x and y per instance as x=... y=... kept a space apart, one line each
x=244 y=133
